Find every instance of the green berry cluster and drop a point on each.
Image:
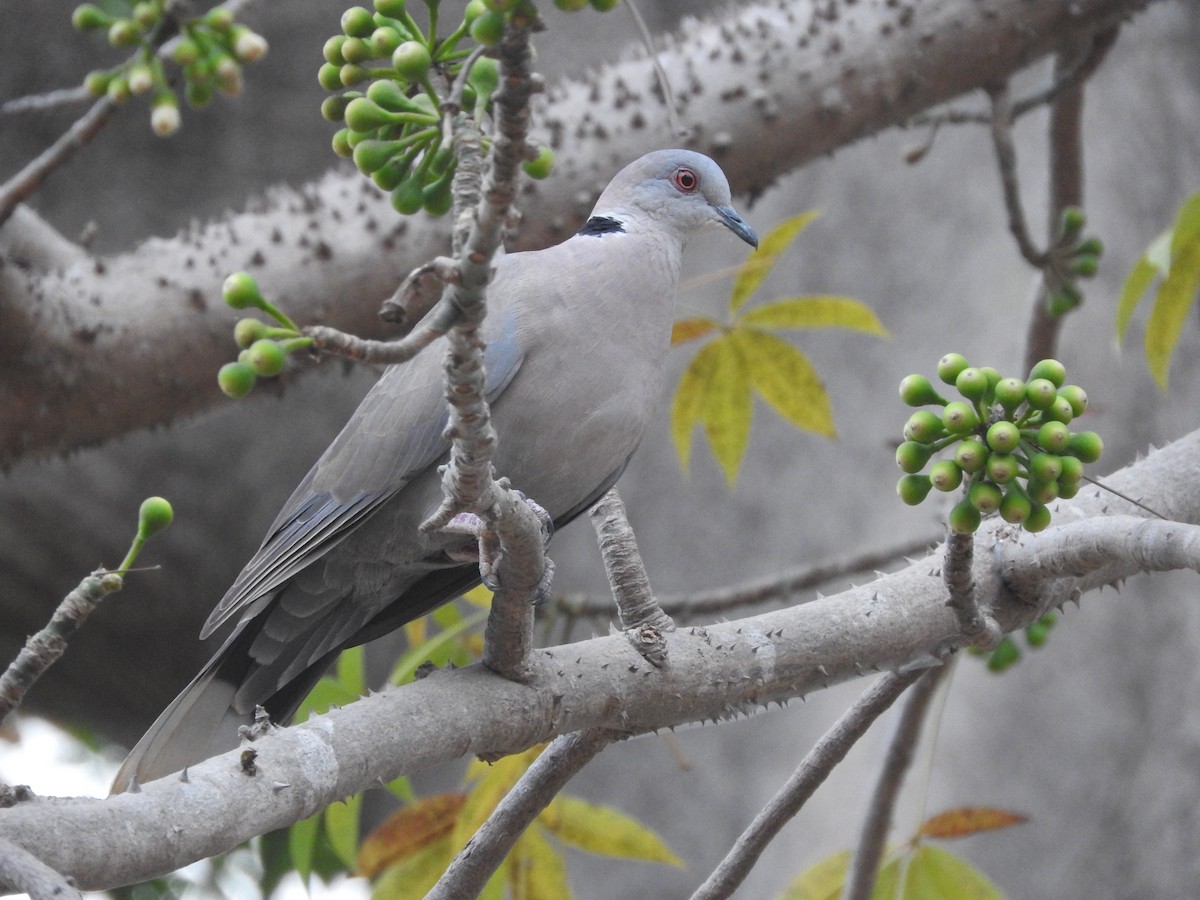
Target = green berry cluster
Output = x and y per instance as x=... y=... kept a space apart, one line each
x=1013 y=451
x=210 y=51
x=1007 y=652
x=264 y=348
x=1072 y=258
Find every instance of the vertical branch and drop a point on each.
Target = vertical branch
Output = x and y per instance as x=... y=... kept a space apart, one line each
x=542 y=781
x=860 y=881
x=830 y=750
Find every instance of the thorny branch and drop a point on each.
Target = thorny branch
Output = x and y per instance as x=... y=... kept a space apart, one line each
x=22 y=871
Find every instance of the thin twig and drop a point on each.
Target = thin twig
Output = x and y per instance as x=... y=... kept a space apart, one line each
x=659 y=72
x=860 y=880
x=1006 y=161
x=21 y=871
x=725 y=599
x=43 y=649
x=50 y=100
x=812 y=771
x=642 y=618
x=535 y=790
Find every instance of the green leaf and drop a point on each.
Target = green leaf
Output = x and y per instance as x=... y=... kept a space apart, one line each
x=1174 y=301
x=328 y=693
x=688 y=402
x=408 y=831
x=351 y=671
x=936 y=874
x=536 y=870
x=727 y=407
x=817 y=311
x=786 y=380
x=414 y=876
x=605 y=831
x=756 y=267
x=1186 y=229
x=302 y=840
x=823 y=880
x=341 y=827
x=685 y=330
x=435 y=648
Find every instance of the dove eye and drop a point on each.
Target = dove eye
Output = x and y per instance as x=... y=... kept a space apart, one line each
x=685 y=179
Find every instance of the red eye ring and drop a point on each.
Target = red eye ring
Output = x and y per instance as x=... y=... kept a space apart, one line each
x=685 y=180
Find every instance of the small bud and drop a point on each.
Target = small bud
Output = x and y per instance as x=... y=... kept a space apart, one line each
x=1005 y=654
x=985 y=497
x=923 y=427
x=247 y=331
x=1050 y=369
x=972 y=383
x=219 y=19
x=1040 y=393
x=911 y=456
x=488 y=29
x=912 y=489
x=266 y=358
x=248 y=46
x=236 y=379
x=357 y=21
x=411 y=60
x=950 y=365
x=960 y=417
x=964 y=518
x=88 y=16
x=915 y=390
x=154 y=515
x=1086 y=446
x=1053 y=437
x=541 y=165
x=1039 y=518
x=122 y=33
x=241 y=291
x=945 y=475
x=165 y=119
x=1003 y=436
x=141 y=80
x=971 y=455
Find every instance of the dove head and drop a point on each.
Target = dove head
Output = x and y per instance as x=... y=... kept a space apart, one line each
x=679 y=190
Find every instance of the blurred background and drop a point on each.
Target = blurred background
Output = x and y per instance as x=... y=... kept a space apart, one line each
x=1096 y=737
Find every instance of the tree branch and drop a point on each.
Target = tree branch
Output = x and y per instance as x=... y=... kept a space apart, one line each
x=23 y=871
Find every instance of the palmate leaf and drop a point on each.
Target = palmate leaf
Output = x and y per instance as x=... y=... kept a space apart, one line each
x=1155 y=261
x=689 y=329
x=758 y=265
x=928 y=873
x=407 y=831
x=604 y=831
x=536 y=870
x=786 y=380
x=727 y=407
x=688 y=402
x=968 y=820
x=817 y=311
x=341 y=828
x=415 y=875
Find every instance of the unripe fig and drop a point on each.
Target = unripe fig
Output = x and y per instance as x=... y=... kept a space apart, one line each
x=371 y=155
x=363 y=115
x=945 y=475
x=385 y=40
x=1010 y=393
x=154 y=515
x=1072 y=472
x=915 y=390
x=1059 y=411
x=437 y=198
x=1015 y=507
x=219 y=19
x=332 y=50
x=1086 y=445
x=247 y=331
x=1050 y=369
x=1068 y=490
x=341 y=143
x=605 y=5
x=1001 y=468
x=1036 y=634
x=1072 y=221
x=393 y=9
x=411 y=60
x=241 y=291
x=1045 y=467
x=350 y=75
x=924 y=427
x=964 y=518
x=541 y=165
x=971 y=455
x=950 y=365
x=1091 y=246
x=1040 y=392
x=1076 y=396
x=266 y=358
x=911 y=456
x=1003 y=436
x=1053 y=437
x=357 y=21
x=122 y=33
x=488 y=29
x=913 y=488
x=1085 y=265
x=1006 y=653
x=88 y=16
x=408 y=196
x=330 y=77
x=1039 y=518
x=1041 y=491
x=959 y=417
x=356 y=50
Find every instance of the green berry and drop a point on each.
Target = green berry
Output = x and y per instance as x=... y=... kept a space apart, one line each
x=1050 y=369
x=97 y=82
x=605 y=5
x=1091 y=246
x=541 y=165
x=247 y=331
x=1086 y=445
x=333 y=109
x=1001 y=468
x=385 y=40
x=960 y=417
x=370 y=155
x=1039 y=518
x=1040 y=392
x=1071 y=472
x=389 y=176
x=123 y=33
x=1064 y=299
x=332 y=50
x=154 y=515
x=408 y=197
x=357 y=21
x=1076 y=396
x=964 y=518
x=1053 y=437
x=484 y=77
x=236 y=379
x=118 y=89
x=474 y=10
x=438 y=198
x=1045 y=466
x=393 y=9
x=1006 y=653
x=330 y=77
x=1015 y=507
x=219 y=19
x=1072 y=222
x=913 y=488
x=488 y=29
x=1059 y=411
x=985 y=497
x=945 y=475
x=1085 y=265
x=266 y=357
x=993 y=376
x=1003 y=436
x=1010 y=393
x=355 y=50
x=341 y=143
x=1036 y=633
x=411 y=60
x=911 y=456
x=241 y=291
x=949 y=367
x=351 y=74
x=363 y=115
x=145 y=14
x=1041 y=491
x=971 y=455
x=1067 y=490
x=924 y=427
x=87 y=16
x=971 y=383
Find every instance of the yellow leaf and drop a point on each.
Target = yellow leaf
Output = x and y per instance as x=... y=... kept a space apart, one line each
x=1186 y=228
x=492 y=782
x=350 y=670
x=817 y=311
x=967 y=820
x=756 y=266
x=341 y=827
x=414 y=876
x=689 y=400
x=727 y=407
x=823 y=880
x=935 y=874
x=1139 y=279
x=416 y=631
x=407 y=831
x=786 y=380
x=685 y=330
x=605 y=831
x=537 y=871
x=479 y=597
x=1176 y=296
